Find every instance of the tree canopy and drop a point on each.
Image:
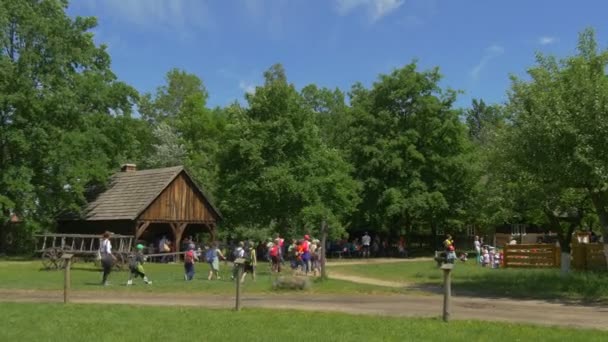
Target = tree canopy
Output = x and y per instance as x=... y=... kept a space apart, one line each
x=394 y=157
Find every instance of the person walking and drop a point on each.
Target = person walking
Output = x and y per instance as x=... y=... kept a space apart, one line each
x=136 y=266
x=366 y=241
x=213 y=256
x=238 y=253
x=189 y=259
x=107 y=258
x=251 y=262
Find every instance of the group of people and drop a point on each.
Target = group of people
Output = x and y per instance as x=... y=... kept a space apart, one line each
x=488 y=256
x=366 y=247
x=107 y=259
x=303 y=256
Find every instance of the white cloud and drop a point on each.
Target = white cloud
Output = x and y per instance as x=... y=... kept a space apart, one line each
x=546 y=40
x=376 y=9
x=174 y=15
x=489 y=54
x=244 y=80
x=247 y=87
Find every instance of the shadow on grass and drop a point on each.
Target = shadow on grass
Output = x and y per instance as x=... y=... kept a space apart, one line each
x=589 y=288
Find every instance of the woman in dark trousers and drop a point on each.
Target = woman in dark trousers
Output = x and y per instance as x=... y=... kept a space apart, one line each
x=107 y=258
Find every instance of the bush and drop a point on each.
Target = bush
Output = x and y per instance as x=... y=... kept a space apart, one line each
x=291 y=283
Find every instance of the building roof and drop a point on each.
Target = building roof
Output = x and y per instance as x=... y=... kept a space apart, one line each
x=130 y=193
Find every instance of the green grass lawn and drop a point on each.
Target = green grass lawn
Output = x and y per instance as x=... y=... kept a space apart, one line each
x=469 y=277
x=74 y=322
x=165 y=278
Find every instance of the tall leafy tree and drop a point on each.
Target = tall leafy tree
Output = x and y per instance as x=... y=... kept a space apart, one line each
x=482 y=120
x=186 y=131
x=57 y=92
x=332 y=114
x=560 y=118
x=169 y=99
x=408 y=148
x=276 y=169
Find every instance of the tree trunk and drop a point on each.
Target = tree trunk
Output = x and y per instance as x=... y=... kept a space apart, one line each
x=599 y=203
x=565 y=263
x=565 y=239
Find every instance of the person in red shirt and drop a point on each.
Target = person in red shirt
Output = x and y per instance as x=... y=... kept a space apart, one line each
x=306 y=258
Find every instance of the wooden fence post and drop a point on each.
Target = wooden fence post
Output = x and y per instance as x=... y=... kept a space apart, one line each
x=239 y=263
x=447 y=287
x=66 y=276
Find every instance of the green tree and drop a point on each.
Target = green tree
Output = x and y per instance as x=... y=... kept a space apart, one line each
x=186 y=131
x=561 y=120
x=170 y=98
x=332 y=114
x=409 y=149
x=482 y=120
x=168 y=149
x=57 y=95
x=275 y=168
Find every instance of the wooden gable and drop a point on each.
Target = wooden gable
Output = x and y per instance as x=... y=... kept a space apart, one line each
x=180 y=201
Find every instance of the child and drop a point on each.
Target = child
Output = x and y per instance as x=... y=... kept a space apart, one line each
x=463 y=257
x=189 y=259
x=136 y=266
x=251 y=261
x=496 y=260
x=486 y=258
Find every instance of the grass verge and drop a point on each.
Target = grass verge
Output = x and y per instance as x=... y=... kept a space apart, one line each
x=56 y=322
x=511 y=282
x=166 y=278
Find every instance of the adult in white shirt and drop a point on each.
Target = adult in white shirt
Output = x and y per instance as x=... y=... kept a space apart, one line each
x=239 y=253
x=477 y=248
x=107 y=258
x=366 y=241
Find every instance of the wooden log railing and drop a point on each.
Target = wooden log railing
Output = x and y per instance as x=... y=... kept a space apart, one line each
x=164 y=257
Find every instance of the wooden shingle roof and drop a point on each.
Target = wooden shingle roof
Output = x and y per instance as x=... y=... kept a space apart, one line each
x=130 y=193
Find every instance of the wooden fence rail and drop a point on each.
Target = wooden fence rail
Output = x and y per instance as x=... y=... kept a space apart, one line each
x=532 y=255
x=588 y=256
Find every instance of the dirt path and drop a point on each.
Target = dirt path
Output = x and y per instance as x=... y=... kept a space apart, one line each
x=529 y=311
x=367 y=281
x=347 y=262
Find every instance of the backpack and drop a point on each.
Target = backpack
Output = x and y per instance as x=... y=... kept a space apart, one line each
x=247 y=255
x=237 y=252
x=133 y=261
x=210 y=255
x=274 y=251
x=189 y=257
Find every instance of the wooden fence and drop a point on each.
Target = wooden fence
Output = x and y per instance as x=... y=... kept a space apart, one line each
x=588 y=256
x=537 y=255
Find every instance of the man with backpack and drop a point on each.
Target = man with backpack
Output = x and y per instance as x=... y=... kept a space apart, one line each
x=239 y=252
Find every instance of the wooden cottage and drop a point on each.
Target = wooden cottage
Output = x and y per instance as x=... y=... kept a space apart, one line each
x=148 y=204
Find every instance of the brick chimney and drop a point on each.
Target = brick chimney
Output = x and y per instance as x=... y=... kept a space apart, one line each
x=128 y=168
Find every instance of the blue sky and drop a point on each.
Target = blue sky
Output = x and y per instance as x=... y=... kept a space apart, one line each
x=334 y=43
